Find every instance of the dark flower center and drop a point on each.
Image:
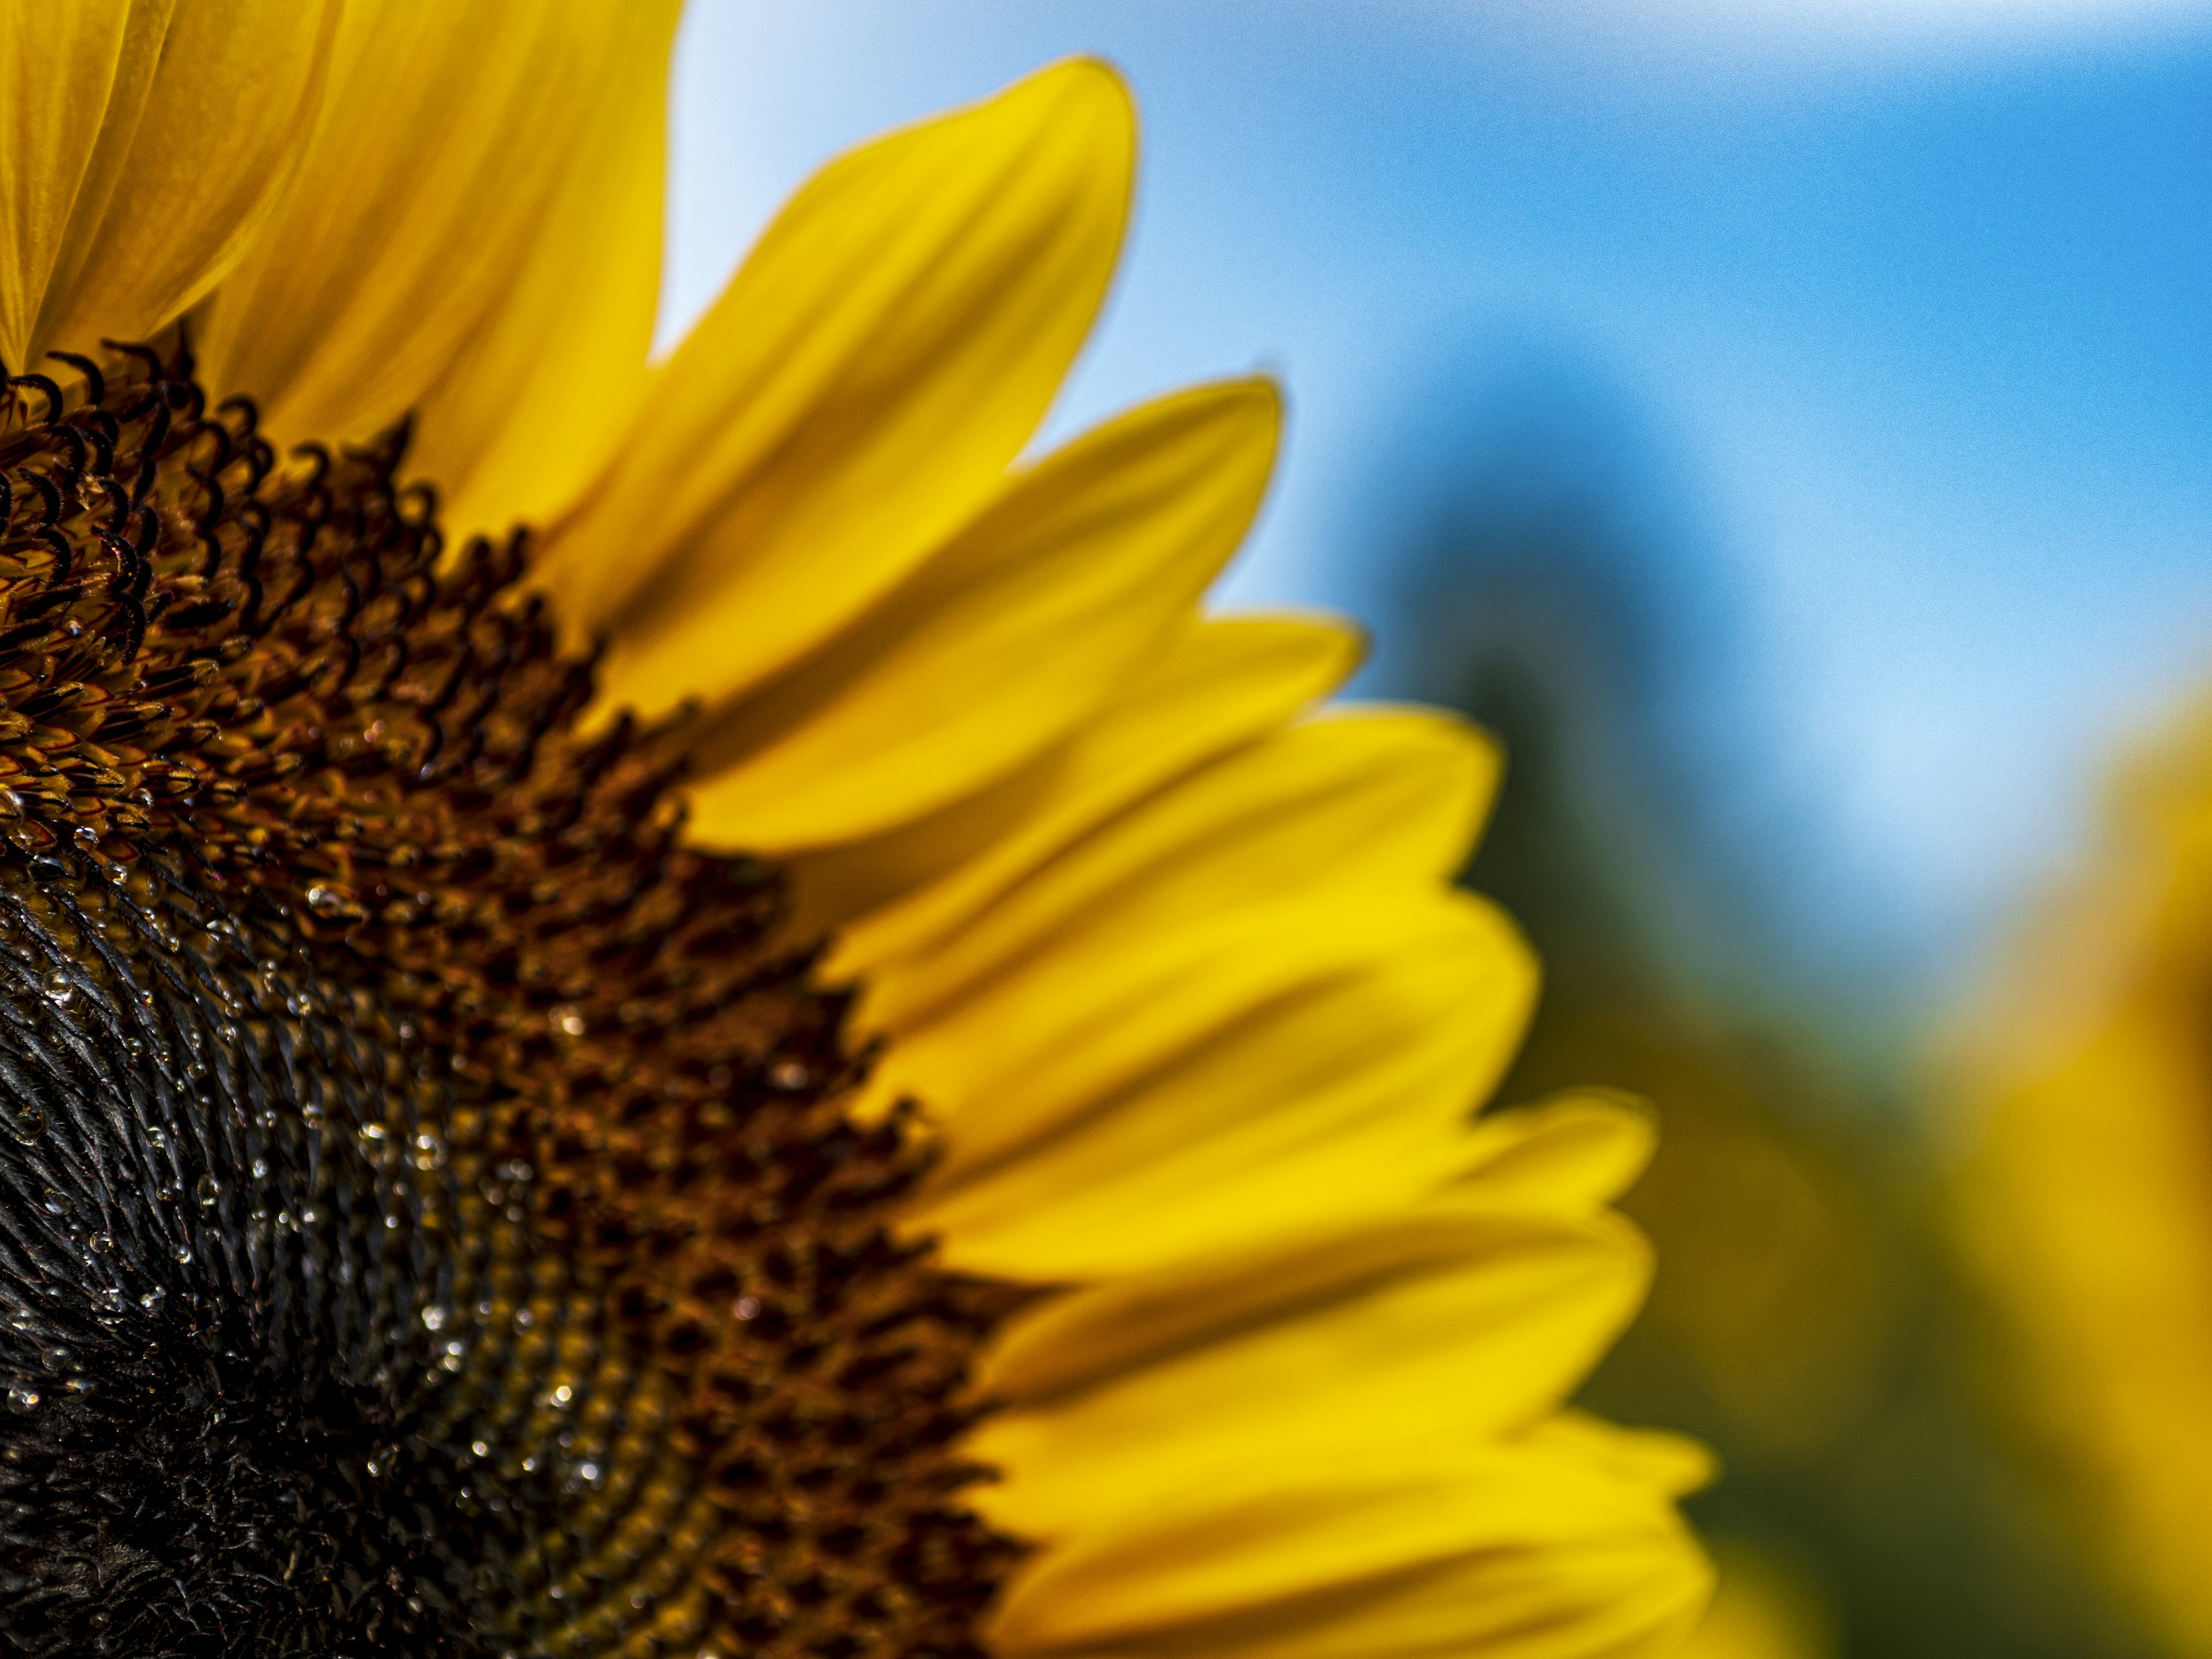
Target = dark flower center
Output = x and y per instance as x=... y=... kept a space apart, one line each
x=428 y=1222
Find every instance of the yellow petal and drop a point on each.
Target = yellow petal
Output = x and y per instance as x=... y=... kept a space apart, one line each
x=1080 y=1024
x=537 y=399
x=857 y=392
x=1540 y=1545
x=73 y=79
x=1420 y=1336
x=197 y=166
x=1015 y=634
x=1220 y=685
x=1629 y=1593
x=77 y=80
x=1568 y=1155
x=1372 y=799
x=444 y=133
x=1076 y=1343
x=1288 y=1068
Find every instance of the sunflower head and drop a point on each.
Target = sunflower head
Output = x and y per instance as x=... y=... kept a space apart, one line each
x=432 y=1226
x=946 y=1134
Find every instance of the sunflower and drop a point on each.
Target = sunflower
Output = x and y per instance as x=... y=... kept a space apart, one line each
x=796 y=1056
x=2087 y=1198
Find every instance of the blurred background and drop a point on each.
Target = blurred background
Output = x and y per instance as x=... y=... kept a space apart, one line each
x=1789 y=426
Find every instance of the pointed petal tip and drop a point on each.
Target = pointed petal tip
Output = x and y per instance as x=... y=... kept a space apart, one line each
x=1085 y=95
x=1260 y=393
x=1085 y=82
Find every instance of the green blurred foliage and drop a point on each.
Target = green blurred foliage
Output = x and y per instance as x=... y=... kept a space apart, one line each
x=1806 y=1321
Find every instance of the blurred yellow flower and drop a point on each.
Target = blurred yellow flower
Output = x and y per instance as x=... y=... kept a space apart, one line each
x=2087 y=1200
x=1172 y=963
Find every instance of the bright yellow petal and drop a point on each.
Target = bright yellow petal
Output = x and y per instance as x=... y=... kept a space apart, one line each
x=1015 y=632
x=538 y=396
x=1079 y=1024
x=1628 y=1593
x=1379 y=800
x=1417 y=1335
x=1222 y=683
x=195 y=170
x=856 y=394
x=1110 y=1333
x=1258 y=1136
x=1299 y=1064
x=1542 y=1545
x=445 y=131
x=1570 y=1155
x=73 y=79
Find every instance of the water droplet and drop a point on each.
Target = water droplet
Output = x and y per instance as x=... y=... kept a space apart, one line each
x=372 y=1131
x=324 y=900
x=101 y=1243
x=429 y=1152
x=260 y=1168
x=58 y=987
x=747 y=1307
x=207 y=1189
x=23 y=1398
x=184 y=1252
x=589 y=1471
x=153 y=1298
x=480 y=1448
x=25 y=1127
x=569 y=1021
x=790 y=1075
x=433 y=1318
x=156 y=1136
x=562 y=1394
x=54 y=1202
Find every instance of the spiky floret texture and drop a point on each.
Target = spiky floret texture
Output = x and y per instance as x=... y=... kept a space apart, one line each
x=428 y=1219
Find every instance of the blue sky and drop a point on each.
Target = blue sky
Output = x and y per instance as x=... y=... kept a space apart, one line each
x=1914 y=303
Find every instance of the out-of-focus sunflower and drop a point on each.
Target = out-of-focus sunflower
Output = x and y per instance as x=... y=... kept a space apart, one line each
x=796 y=1060
x=2088 y=1193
